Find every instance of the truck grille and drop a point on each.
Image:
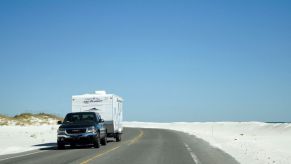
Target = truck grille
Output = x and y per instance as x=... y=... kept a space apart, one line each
x=76 y=131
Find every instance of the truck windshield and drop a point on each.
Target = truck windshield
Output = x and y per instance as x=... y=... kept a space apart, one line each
x=79 y=117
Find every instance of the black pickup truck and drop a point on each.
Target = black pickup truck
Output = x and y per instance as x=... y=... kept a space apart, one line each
x=82 y=128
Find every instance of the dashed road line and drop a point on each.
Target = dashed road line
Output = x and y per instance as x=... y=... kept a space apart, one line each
x=194 y=157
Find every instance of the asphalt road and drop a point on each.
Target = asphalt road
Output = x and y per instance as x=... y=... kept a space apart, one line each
x=138 y=146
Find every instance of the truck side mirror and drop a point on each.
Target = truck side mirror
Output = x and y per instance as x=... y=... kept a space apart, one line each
x=60 y=122
x=101 y=120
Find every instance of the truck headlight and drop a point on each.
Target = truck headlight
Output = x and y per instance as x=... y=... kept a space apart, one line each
x=61 y=130
x=91 y=129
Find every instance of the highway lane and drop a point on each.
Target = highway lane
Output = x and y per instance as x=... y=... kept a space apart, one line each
x=138 y=146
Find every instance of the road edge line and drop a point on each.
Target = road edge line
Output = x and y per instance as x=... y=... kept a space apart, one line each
x=4 y=159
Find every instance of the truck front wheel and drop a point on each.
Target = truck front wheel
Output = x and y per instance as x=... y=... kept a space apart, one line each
x=61 y=146
x=96 y=141
x=73 y=145
x=104 y=141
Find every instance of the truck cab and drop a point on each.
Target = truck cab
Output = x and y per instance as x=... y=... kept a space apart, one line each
x=82 y=128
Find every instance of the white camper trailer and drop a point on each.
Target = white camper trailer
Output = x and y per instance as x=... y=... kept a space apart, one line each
x=109 y=106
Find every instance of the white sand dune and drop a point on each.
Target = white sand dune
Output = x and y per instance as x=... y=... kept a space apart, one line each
x=15 y=139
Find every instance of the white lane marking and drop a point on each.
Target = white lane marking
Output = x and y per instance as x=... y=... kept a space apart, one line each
x=194 y=157
x=22 y=155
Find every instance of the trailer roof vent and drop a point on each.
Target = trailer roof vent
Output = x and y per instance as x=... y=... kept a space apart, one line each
x=100 y=92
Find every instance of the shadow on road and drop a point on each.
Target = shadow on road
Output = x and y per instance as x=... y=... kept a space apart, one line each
x=53 y=146
x=47 y=144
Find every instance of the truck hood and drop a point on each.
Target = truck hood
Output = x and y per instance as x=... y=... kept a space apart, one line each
x=75 y=125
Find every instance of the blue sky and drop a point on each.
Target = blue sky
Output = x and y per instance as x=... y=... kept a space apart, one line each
x=170 y=60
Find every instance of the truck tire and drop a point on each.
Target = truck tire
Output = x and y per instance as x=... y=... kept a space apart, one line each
x=61 y=146
x=118 y=137
x=96 y=141
x=73 y=145
x=104 y=141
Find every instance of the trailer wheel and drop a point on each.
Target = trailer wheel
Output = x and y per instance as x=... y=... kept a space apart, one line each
x=118 y=137
x=96 y=142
